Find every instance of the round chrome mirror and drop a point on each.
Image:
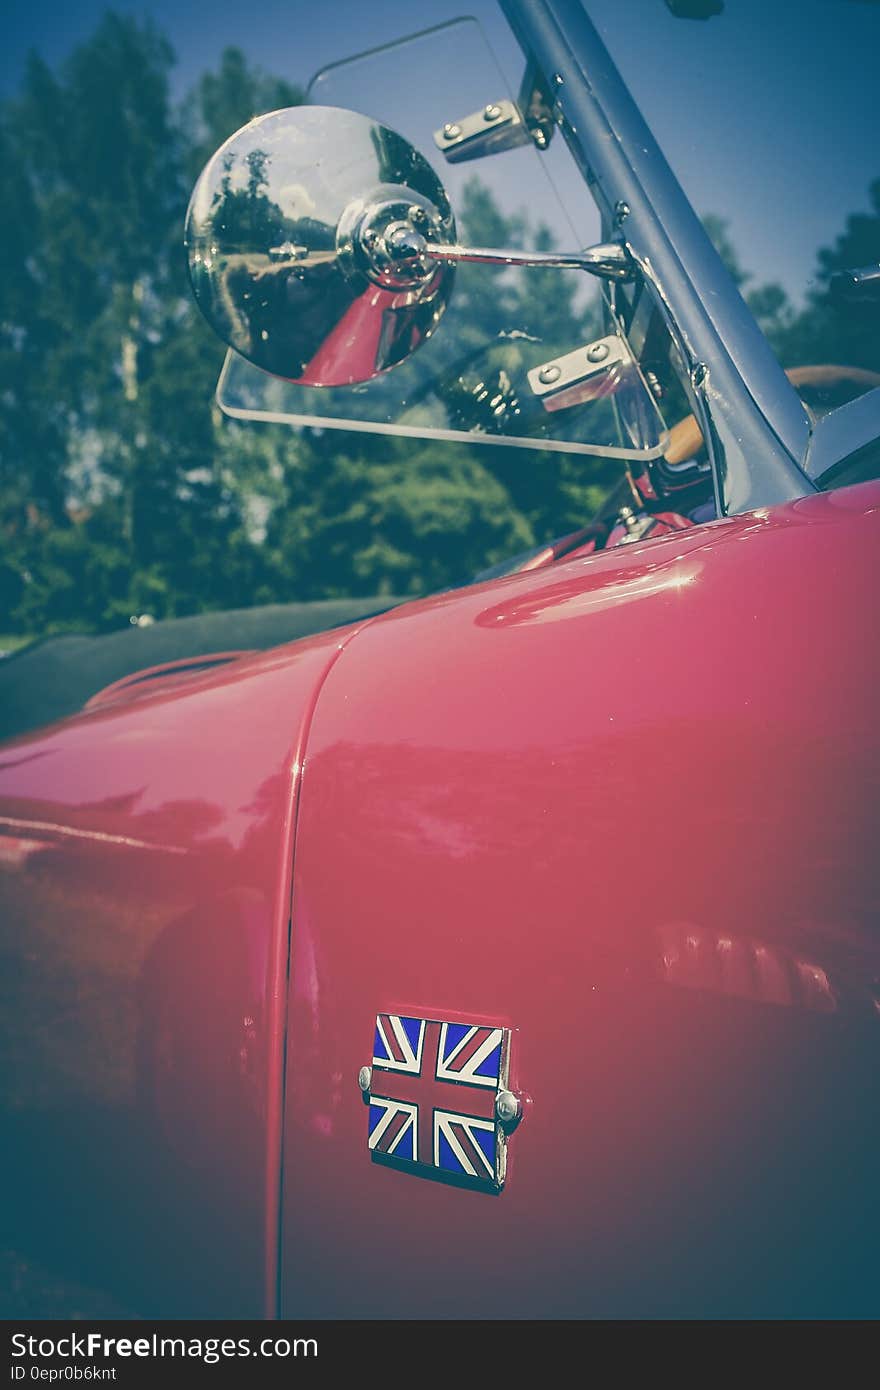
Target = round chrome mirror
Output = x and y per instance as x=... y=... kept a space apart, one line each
x=307 y=235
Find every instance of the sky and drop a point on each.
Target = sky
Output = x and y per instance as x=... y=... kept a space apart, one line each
x=287 y=37
x=783 y=150
x=768 y=114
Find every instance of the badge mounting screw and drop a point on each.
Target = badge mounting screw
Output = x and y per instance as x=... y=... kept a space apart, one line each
x=365 y=1076
x=507 y=1107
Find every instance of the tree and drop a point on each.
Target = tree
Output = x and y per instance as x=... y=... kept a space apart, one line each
x=831 y=328
x=108 y=440
x=224 y=101
x=828 y=328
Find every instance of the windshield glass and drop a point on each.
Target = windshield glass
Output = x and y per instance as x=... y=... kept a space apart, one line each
x=488 y=372
x=768 y=116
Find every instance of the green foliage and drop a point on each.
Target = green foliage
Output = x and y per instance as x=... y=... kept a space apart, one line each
x=224 y=101
x=851 y=330
x=827 y=329
x=110 y=498
x=401 y=521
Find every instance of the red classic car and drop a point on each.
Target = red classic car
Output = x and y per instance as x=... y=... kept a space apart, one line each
x=513 y=952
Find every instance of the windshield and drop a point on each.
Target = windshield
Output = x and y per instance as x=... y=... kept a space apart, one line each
x=768 y=116
x=481 y=375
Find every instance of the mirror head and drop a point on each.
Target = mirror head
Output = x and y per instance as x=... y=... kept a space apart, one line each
x=308 y=237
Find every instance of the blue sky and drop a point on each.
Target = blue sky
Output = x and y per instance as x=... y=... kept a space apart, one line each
x=288 y=37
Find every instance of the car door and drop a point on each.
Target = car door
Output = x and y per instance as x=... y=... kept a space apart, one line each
x=622 y=808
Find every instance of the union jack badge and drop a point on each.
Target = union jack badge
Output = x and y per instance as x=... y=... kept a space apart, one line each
x=439 y=1100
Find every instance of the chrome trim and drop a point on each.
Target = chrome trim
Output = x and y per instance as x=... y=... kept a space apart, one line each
x=843 y=432
x=508 y=1107
x=755 y=425
x=608 y=260
x=590 y=360
x=497 y=126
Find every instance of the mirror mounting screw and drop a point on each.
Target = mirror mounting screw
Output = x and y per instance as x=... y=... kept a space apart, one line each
x=548 y=375
x=451 y=131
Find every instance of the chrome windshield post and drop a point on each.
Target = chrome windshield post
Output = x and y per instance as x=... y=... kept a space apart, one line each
x=755 y=425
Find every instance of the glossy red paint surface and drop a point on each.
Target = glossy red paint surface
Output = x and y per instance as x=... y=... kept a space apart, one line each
x=151 y=679
x=145 y=860
x=376 y=329
x=628 y=806
x=583 y=541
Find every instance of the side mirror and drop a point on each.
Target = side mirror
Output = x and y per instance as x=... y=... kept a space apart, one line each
x=322 y=246
x=306 y=235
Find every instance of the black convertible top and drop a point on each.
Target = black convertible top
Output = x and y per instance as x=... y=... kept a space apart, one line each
x=56 y=676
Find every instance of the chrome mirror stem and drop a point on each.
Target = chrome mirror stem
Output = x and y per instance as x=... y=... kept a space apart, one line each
x=609 y=260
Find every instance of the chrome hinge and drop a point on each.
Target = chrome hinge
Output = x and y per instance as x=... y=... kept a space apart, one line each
x=537 y=106
x=502 y=125
x=566 y=381
x=498 y=126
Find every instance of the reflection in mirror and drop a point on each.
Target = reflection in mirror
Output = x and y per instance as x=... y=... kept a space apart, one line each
x=291 y=240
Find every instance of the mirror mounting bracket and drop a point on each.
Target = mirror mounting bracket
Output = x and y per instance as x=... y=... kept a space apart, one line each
x=577 y=375
x=495 y=127
x=501 y=125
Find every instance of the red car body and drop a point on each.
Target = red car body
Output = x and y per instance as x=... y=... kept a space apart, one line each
x=624 y=805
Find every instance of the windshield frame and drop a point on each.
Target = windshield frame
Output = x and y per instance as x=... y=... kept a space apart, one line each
x=756 y=428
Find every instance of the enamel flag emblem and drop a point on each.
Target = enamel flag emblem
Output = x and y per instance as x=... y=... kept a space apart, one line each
x=439 y=1100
